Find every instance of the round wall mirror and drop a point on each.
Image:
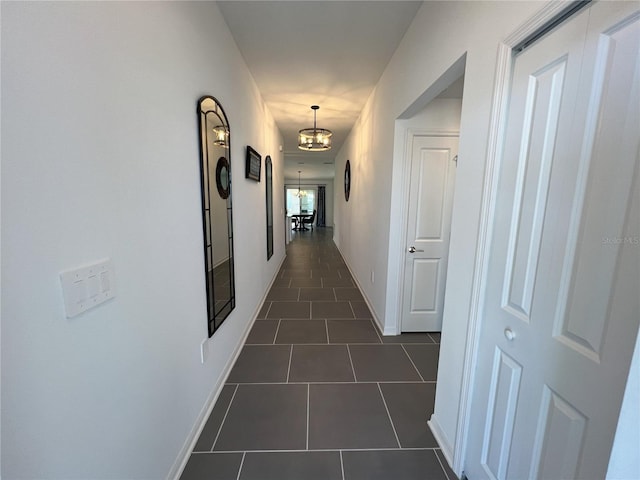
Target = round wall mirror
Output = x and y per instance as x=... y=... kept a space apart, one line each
x=347 y=180
x=222 y=178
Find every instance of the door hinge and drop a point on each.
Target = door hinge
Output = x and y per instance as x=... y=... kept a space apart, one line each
x=455 y=159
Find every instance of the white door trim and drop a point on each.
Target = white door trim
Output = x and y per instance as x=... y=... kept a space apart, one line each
x=495 y=141
x=404 y=137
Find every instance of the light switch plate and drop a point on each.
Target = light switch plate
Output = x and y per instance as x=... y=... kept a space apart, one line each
x=87 y=286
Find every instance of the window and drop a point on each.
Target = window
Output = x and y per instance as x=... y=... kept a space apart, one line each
x=303 y=204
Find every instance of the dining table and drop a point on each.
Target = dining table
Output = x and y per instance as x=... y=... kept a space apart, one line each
x=297 y=221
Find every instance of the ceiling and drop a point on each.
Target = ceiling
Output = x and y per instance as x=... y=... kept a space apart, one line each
x=326 y=53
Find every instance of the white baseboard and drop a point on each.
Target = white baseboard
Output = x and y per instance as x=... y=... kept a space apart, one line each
x=390 y=331
x=381 y=327
x=443 y=441
x=190 y=443
x=201 y=420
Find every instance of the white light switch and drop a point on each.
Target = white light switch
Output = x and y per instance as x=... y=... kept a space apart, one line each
x=80 y=291
x=93 y=284
x=104 y=281
x=87 y=286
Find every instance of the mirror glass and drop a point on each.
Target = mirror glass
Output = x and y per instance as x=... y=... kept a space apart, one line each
x=215 y=169
x=269 y=189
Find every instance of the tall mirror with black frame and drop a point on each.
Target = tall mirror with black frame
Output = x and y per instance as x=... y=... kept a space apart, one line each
x=215 y=169
x=268 y=167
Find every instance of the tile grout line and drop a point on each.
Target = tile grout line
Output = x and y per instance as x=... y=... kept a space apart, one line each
x=411 y=360
x=353 y=370
x=275 y=335
x=389 y=415
x=326 y=327
x=333 y=343
x=266 y=314
x=308 y=412
x=332 y=382
x=352 y=310
x=342 y=464
x=332 y=449
x=441 y=466
x=375 y=328
x=244 y=454
x=289 y=366
x=224 y=418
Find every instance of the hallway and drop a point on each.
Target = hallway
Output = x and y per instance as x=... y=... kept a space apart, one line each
x=317 y=392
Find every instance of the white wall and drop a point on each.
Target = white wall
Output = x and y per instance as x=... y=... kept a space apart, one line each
x=441 y=34
x=100 y=159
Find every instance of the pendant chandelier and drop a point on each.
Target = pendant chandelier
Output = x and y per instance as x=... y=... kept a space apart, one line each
x=301 y=193
x=314 y=139
x=220 y=135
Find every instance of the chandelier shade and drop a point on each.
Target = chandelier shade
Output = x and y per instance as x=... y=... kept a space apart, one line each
x=314 y=139
x=301 y=193
x=221 y=135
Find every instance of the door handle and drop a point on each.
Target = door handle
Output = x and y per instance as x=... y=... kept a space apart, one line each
x=508 y=334
x=412 y=249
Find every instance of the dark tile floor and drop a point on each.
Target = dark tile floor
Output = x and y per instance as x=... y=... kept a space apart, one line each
x=317 y=392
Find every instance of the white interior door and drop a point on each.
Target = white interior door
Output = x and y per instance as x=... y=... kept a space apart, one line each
x=433 y=171
x=561 y=306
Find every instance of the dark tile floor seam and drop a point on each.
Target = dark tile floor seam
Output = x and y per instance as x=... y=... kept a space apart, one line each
x=355 y=378
x=352 y=310
x=442 y=466
x=393 y=427
x=326 y=328
x=224 y=419
x=375 y=327
x=332 y=382
x=244 y=455
x=311 y=450
x=289 y=366
x=333 y=343
x=275 y=335
x=382 y=449
x=412 y=363
x=308 y=412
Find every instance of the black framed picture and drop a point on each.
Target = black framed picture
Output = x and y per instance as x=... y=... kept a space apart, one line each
x=254 y=162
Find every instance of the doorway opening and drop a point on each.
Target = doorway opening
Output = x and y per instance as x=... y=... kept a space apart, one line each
x=426 y=138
